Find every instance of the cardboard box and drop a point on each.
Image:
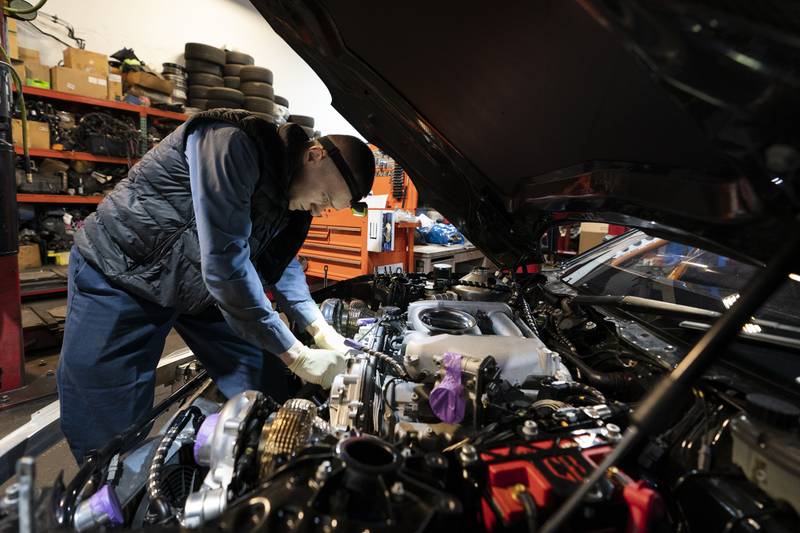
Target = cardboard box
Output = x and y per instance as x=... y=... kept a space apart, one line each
x=38 y=134
x=74 y=81
x=592 y=234
x=29 y=55
x=114 y=87
x=91 y=62
x=29 y=257
x=36 y=75
x=13 y=45
x=149 y=81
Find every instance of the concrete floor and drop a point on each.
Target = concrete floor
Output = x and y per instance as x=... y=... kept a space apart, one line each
x=59 y=457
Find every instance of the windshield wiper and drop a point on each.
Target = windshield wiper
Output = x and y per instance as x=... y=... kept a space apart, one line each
x=671 y=308
x=766 y=338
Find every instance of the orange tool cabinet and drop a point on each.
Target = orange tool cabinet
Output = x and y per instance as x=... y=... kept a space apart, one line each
x=338 y=239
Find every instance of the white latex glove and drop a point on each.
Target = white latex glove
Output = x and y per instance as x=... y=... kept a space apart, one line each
x=312 y=365
x=326 y=337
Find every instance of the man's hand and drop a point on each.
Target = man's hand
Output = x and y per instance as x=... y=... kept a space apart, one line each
x=314 y=366
x=326 y=337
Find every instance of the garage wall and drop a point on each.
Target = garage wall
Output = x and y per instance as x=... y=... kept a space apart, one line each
x=158 y=29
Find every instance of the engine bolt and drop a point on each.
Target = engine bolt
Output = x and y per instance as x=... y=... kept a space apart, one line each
x=414 y=396
x=530 y=428
x=468 y=454
x=397 y=490
x=323 y=471
x=613 y=431
x=588 y=326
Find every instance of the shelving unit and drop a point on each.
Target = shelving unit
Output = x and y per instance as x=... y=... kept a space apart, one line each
x=81 y=156
x=120 y=106
x=57 y=199
x=75 y=102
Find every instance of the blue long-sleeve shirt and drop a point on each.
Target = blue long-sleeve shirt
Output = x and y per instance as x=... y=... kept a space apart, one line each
x=223 y=171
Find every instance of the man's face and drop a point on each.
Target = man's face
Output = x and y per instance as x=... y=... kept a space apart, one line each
x=318 y=185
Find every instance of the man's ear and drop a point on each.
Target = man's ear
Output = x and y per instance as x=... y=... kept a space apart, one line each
x=314 y=153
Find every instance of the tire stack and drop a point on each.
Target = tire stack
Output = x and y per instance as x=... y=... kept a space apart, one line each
x=177 y=75
x=204 y=65
x=307 y=123
x=256 y=86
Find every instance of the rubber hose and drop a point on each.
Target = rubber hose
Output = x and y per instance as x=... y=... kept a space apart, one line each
x=613 y=382
x=572 y=388
x=154 y=477
x=529 y=505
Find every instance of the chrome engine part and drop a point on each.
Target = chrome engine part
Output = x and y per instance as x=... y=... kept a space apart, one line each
x=470 y=293
x=286 y=433
x=348 y=396
x=442 y=327
x=221 y=450
x=517 y=358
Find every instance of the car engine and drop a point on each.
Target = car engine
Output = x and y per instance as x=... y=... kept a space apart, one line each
x=480 y=402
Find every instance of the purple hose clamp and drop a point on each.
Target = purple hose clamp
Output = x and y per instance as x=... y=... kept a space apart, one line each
x=447 y=398
x=204 y=434
x=366 y=321
x=105 y=502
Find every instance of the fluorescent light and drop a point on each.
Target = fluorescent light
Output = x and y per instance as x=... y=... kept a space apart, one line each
x=794 y=277
x=729 y=300
x=698 y=265
x=751 y=328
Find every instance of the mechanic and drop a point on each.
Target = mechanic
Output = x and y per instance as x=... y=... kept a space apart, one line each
x=184 y=241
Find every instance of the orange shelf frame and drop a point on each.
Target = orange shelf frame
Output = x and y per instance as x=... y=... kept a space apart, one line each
x=57 y=199
x=121 y=106
x=81 y=156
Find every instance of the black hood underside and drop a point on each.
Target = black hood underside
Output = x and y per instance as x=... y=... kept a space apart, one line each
x=511 y=117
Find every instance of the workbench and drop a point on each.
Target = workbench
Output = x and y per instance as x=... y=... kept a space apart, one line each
x=462 y=257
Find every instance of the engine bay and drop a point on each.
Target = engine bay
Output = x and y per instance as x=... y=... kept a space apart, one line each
x=479 y=402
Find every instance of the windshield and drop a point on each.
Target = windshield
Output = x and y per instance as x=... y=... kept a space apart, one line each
x=639 y=265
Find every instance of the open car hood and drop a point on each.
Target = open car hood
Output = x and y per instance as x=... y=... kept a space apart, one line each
x=679 y=118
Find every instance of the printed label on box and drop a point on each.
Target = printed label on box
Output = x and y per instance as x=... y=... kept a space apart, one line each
x=117 y=78
x=71 y=86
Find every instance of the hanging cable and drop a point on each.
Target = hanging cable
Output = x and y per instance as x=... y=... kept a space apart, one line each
x=40 y=30
x=6 y=63
x=70 y=29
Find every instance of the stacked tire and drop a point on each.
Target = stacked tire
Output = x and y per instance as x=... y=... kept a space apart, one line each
x=234 y=61
x=177 y=75
x=204 y=67
x=259 y=96
x=305 y=122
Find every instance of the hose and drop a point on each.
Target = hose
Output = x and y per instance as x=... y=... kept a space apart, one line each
x=613 y=382
x=23 y=113
x=529 y=505
x=92 y=465
x=527 y=317
x=567 y=391
x=608 y=382
x=396 y=368
x=154 y=492
x=24 y=10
